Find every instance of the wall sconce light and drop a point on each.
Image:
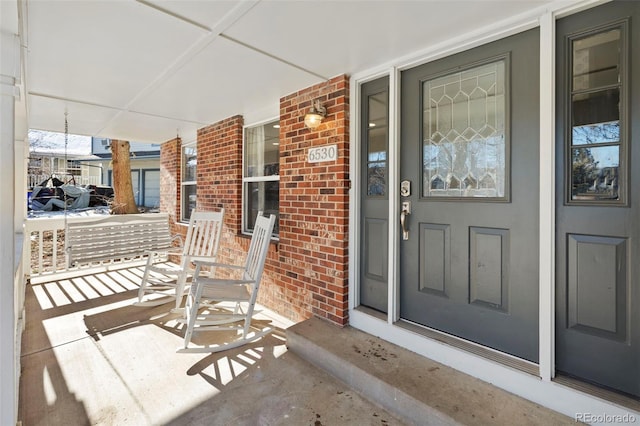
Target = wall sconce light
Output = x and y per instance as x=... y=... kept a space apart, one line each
x=315 y=115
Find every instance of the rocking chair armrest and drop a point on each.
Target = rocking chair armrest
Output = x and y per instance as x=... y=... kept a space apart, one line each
x=169 y=250
x=221 y=281
x=201 y=260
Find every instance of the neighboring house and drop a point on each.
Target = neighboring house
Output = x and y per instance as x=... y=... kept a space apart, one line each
x=145 y=169
x=43 y=165
x=49 y=157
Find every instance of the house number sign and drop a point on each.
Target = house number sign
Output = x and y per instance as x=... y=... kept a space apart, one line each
x=322 y=153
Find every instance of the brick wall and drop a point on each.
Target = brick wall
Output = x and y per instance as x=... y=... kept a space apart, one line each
x=314 y=202
x=306 y=272
x=220 y=170
x=220 y=184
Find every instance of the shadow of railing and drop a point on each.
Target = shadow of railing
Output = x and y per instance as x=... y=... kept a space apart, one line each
x=99 y=306
x=68 y=295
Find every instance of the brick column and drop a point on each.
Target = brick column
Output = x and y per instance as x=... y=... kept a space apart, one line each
x=314 y=202
x=170 y=153
x=220 y=170
x=220 y=185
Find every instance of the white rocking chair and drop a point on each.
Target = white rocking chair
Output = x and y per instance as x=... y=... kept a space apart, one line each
x=207 y=295
x=202 y=241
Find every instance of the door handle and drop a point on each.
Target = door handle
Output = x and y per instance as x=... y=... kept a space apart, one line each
x=406 y=211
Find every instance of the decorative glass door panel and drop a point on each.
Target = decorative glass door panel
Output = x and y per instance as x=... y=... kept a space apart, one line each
x=464 y=146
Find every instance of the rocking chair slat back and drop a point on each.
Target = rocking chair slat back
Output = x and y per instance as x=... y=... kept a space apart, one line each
x=202 y=241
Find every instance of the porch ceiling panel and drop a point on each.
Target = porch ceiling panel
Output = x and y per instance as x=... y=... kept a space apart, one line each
x=335 y=37
x=48 y=114
x=223 y=80
x=101 y=52
x=138 y=127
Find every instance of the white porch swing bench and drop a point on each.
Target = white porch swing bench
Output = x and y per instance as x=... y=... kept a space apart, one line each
x=115 y=239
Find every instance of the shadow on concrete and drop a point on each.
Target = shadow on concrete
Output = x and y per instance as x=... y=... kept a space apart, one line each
x=91 y=357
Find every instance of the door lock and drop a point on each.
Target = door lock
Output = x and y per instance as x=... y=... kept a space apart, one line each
x=405 y=188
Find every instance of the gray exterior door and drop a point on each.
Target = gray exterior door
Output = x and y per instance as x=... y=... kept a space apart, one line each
x=374 y=202
x=598 y=208
x=469 y=148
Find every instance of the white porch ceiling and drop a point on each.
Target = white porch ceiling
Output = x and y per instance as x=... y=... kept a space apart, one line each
x=146 y=70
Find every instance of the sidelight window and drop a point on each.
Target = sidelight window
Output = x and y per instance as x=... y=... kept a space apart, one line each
x=376 y=144
x=596 y=109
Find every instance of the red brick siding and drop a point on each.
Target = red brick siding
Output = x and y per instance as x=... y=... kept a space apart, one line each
x=306 y=272
x=314 y=203
x=220 y=170
x=220 y=182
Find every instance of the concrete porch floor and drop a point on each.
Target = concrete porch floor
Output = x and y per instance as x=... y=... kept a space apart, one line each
x=91 y=358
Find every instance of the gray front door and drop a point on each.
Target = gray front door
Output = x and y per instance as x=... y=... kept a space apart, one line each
x=469 y=152
x=598 y=208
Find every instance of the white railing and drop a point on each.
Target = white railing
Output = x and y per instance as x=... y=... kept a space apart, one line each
x=44 y=253
x=44 y=248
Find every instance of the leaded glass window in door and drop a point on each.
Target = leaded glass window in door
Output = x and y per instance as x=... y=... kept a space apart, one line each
x=464 y=133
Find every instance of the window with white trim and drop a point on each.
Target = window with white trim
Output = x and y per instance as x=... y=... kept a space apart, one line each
x=260 y=176
x=189 y=164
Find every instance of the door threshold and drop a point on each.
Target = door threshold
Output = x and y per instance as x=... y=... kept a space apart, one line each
x=372 y=312
x=622 y=399
x=474 y=348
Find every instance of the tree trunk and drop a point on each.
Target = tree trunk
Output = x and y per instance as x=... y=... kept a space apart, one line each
x=123 y=200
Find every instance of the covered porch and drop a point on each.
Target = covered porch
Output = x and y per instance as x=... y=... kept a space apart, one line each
x=210 y=81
